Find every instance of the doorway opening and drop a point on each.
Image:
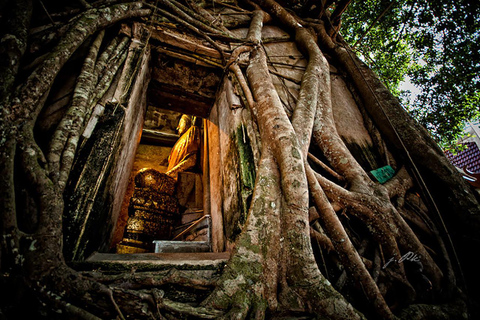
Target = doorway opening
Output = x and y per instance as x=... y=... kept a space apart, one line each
x=163 y=208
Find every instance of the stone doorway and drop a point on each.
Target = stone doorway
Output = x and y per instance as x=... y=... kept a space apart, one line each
x=163 y=208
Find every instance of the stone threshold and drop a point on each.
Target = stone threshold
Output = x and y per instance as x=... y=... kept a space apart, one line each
x=153 y=261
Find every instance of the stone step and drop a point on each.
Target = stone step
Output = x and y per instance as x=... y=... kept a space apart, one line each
x=168 y=246
x=154 y=261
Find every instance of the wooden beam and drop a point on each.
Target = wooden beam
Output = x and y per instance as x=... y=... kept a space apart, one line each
x=185 y=43
x=177 y=99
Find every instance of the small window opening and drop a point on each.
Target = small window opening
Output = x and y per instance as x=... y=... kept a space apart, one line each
x=163 y=207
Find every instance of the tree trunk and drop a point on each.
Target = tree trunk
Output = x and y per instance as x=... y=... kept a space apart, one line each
x=310 y=182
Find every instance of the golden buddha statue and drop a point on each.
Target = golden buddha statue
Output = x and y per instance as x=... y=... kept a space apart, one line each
x=184 y=153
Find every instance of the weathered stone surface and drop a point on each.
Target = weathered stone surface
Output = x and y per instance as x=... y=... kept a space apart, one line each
x=181 y=246
x=155 y=261
x=88 y=197
x=160 y=119
x=350 y=125
x=215 y=190
x=101 y=173
x=231 y=166
x=190 y=190
x=182 y=86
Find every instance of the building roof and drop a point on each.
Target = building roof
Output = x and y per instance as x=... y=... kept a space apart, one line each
x=469 y=158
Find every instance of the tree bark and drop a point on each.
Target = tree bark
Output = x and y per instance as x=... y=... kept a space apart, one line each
x=14 y=43
x=446 y=192
x=42 y=78
x=273 y=270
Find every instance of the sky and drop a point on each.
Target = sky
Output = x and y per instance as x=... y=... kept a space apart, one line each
x=408 y=85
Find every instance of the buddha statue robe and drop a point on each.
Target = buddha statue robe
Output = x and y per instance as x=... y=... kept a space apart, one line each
x=184 y=153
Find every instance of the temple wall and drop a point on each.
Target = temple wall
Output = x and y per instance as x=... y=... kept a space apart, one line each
x=230 y=148
x=231 y=166
x=101 y=172
x=134 y=118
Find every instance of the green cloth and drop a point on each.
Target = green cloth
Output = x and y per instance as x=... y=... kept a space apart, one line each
x=383 y=174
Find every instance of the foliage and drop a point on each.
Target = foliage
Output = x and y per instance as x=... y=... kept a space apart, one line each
x=435 y=44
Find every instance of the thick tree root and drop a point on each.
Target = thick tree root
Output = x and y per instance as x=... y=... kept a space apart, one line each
x=348 y=255
x=66 y=137
x=272 y=270
x=145 y=280
x=14 y=42
x=42 y=78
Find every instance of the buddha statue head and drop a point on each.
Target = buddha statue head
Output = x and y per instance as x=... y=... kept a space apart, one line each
x=184 y=124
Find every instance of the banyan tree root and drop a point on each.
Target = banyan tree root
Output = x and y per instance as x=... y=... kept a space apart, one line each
x=272 y=269
x=395 y=232
x=294 y=274
x=42 y=78
x=43 y=262
x=260 y=274
x=93 y=82
x=15 y=44
x=66 y=136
